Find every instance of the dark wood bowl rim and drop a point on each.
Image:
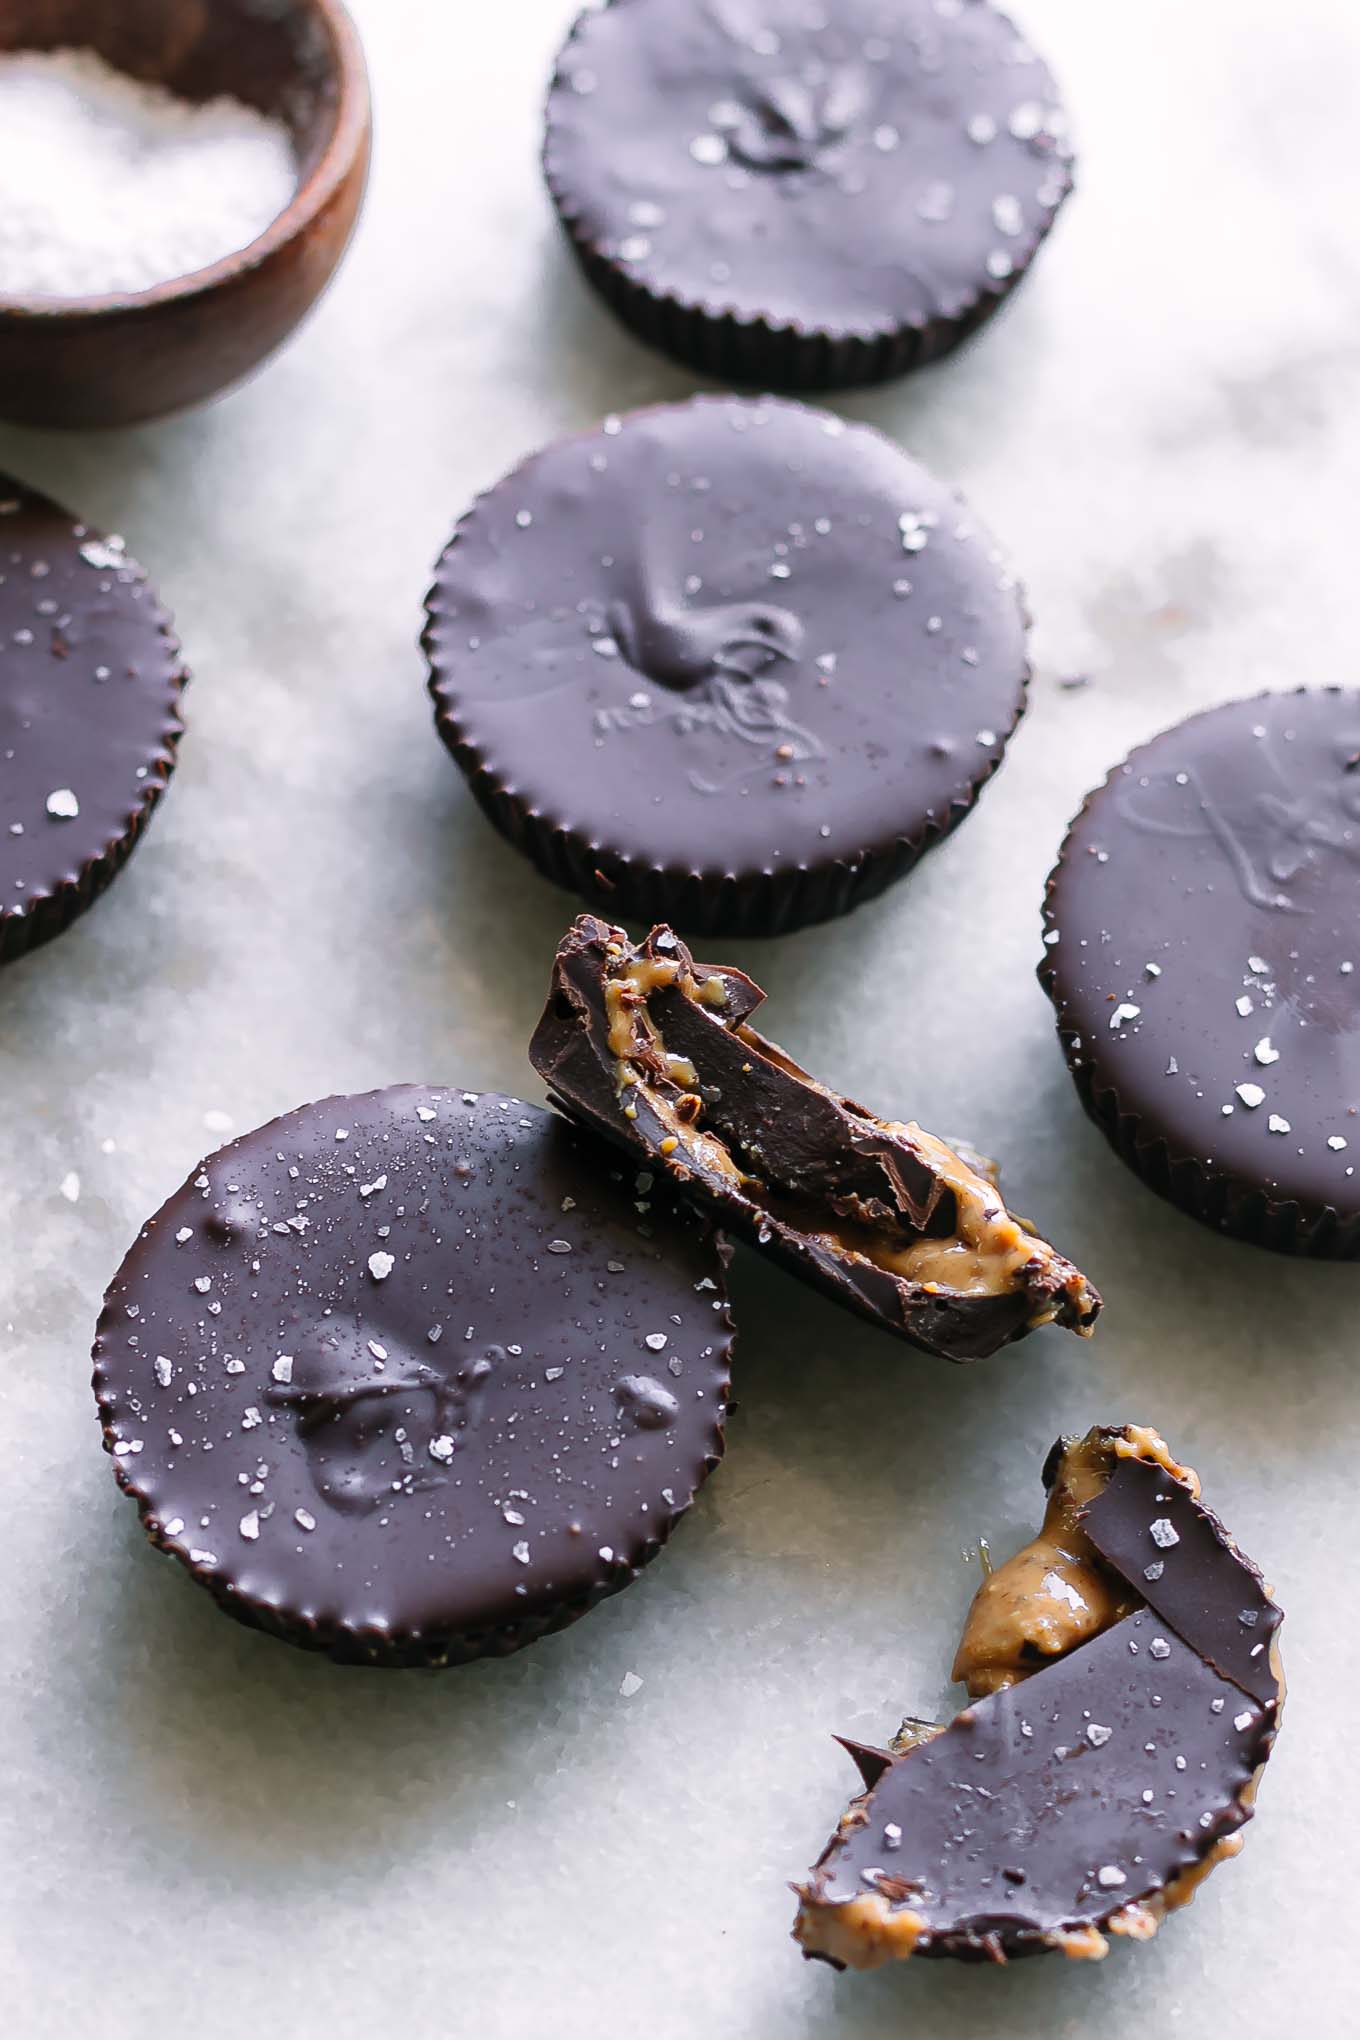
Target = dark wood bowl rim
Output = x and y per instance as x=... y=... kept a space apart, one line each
x=347 y=140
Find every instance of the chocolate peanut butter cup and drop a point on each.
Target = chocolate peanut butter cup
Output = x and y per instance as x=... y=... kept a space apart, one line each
x=415 y=1377
x=1202 y=933
x=730 y=664
x=1126 y=1691
x=90 y=680
x=656 y=1052
x=799 y=195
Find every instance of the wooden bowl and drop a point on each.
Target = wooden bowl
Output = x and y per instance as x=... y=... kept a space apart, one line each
x=117 y=360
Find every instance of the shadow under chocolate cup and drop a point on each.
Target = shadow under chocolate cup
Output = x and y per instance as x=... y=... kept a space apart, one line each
x=1202 y=953
x=127 y=357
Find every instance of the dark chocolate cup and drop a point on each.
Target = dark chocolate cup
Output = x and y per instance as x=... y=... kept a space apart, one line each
x=760 y=349
x=131 y=632
x=364 y=1602
x=1222 y=1198
x=712 y=894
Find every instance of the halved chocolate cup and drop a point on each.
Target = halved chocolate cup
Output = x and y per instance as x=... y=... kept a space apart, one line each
x=655 y=1051
x=1127 y=1692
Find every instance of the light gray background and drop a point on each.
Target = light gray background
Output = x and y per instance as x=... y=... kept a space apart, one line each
x=213 y=1835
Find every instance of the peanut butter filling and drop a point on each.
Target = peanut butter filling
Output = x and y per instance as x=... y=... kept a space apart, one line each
x=1056 y=1593
x=988 y=1251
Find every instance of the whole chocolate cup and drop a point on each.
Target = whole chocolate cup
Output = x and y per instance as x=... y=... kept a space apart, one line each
x=733 y=664
x=1202 y=953
x=90 y=682
x=415 y=1377
x=802 y=197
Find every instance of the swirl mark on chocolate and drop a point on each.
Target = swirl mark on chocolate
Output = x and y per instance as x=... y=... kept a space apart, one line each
x=716 y=660
x=1271 y=841
x=379 y=1425
x=796 y=124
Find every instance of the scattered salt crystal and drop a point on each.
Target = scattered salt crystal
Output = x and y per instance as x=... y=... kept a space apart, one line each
x=630 y=1684
x=1163 y=1533
x=380 y=1266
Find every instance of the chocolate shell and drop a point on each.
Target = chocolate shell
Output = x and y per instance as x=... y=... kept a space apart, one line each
x=1130 y=1694
x=802 y=197
x=654 y=1050
x=732 y=665
x=90 y=681
x=1202 y=952
x=406 y=1378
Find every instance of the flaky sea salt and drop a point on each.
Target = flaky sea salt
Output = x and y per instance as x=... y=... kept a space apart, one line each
x=108 y=184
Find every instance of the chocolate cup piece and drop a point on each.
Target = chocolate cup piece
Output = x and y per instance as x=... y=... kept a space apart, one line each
x=809 y=1178
x=1176 y=1554
x=798 y=202
x=732 y=665
x=1095 y=1793
x=90 y=682
x=1202 y=958
x=404 y=1378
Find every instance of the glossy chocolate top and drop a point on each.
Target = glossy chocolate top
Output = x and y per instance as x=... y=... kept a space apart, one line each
x=728 y=637
x=414 y=1366
x=90 y=677
x=1203 y=931
x=851 y=168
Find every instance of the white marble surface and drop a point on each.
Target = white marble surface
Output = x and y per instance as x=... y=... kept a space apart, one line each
x=211 y=1835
